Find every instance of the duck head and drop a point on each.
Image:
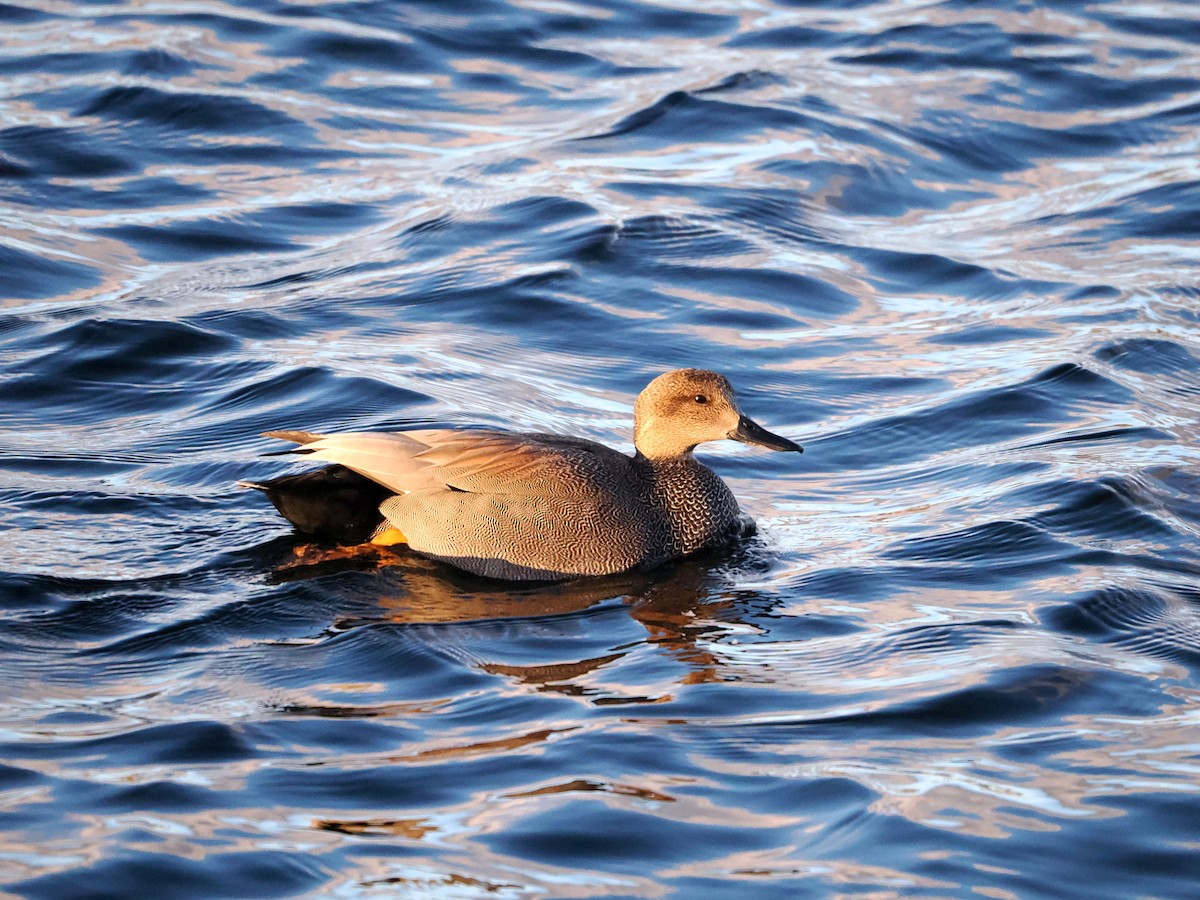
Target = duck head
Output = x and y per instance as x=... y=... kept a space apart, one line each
x=686 y=407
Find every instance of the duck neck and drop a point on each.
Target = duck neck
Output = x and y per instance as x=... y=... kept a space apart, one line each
x=656 y=439
x=665 y=460
x=698 y=506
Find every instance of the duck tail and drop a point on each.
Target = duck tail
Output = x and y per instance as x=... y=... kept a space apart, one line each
x=332 y=504
x=296 y=437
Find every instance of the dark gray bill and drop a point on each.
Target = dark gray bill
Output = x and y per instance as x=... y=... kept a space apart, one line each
x=750 y=432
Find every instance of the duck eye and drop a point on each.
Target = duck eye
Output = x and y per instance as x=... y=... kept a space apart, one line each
x=700 y=398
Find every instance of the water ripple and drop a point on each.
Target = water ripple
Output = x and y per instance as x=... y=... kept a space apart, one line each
x=950 y=247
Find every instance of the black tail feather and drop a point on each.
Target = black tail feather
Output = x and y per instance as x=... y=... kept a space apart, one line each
x=333 y=503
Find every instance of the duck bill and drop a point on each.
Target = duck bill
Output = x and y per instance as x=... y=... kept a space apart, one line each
x=750 y=432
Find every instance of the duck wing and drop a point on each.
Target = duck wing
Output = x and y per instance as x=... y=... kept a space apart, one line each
x=387 y=458
x=462 y=460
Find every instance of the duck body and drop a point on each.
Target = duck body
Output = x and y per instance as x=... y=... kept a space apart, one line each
x=533 y=506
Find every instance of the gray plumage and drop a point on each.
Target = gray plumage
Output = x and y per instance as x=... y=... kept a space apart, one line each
x=540 y=506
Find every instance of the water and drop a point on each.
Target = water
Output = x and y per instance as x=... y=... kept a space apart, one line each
x=951 y=247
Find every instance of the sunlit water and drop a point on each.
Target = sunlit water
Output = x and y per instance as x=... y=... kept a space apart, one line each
x=951 y=247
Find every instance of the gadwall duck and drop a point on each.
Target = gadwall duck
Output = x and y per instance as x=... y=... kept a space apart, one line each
x=531 y=506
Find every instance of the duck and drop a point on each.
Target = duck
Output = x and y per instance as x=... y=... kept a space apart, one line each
x=531 y=506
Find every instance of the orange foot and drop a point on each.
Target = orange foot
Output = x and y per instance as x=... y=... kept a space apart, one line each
x=357 y=556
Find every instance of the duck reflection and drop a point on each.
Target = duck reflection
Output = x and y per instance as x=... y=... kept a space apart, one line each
x=678 y=606
x=676 y=609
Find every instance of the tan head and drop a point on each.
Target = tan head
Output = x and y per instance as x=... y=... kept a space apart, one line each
x=686 y=407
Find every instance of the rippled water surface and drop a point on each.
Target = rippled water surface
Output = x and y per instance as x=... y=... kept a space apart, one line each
x=952 y=247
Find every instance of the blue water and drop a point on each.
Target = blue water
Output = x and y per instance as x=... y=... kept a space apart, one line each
x=952 y=247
